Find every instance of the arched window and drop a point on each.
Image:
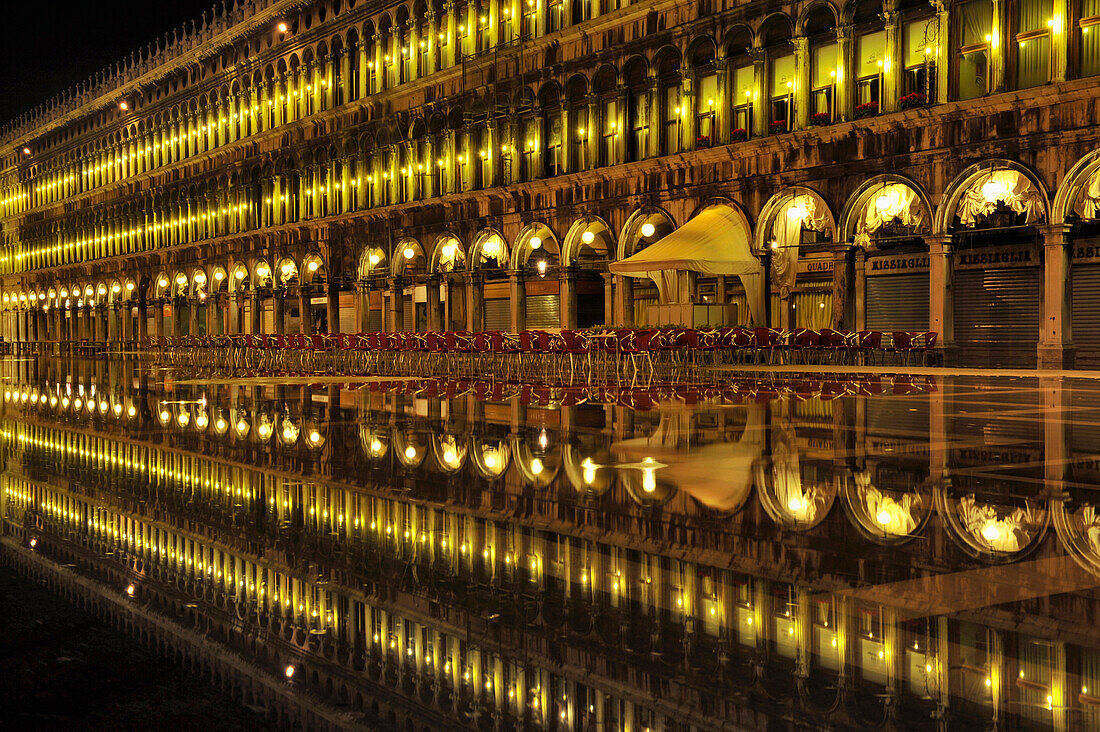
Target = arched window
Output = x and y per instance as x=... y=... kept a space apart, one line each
x=608 y=129
x=742 y=80
x=636 y=81
x=824 y=63
x=871 y=57
x=551 y=145
x=576 y=94
x=781 y=74
x=918 y=55
x=672 y=113
x=706 y=94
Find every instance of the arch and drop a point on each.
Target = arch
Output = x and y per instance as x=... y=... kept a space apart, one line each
x=798 y=199
x=1081 y=186
x=867 y=194
x=489 y=247
x=601 y=241
x=372 y=261
x=812 y=12
x=448 y=254
x=969 y=189
x=632 y=235
x=408 y=257
x=313 y=269
x=535 y=237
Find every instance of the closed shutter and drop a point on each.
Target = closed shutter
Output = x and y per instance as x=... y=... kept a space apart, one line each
x=1085 y=314
x=543 y=311
x=374 y=321
x=997 y=317
x=498 y=314
x=408 y=314
x=897 y=302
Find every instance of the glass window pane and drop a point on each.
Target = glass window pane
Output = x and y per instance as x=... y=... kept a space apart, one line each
x=783 y=71
x=916 y=40
x=1033 y=62
x=1033 y=15
x=1090 y=50
x=973 y=74
x=707 y=96
x=824 y=65
x=870 y=52
x=743 y=79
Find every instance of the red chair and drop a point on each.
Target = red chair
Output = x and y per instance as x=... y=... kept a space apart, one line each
x=867 y=344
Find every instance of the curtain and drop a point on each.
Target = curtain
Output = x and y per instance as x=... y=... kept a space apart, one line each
x=744 y=79
x=824 y=66
x=1090 y=39
x=892 y=202
x=1088 y=203
x=1033 y=62
x=916 y=40
x=975 y=22
x=1009 y=187
x=802 y=213
x=813 y=309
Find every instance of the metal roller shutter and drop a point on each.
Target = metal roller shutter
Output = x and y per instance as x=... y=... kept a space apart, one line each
x=1085 y=314
x=997 y=317
x=897 y=302
x=543 y=311
x=374 y=321
x=498 y=314
x=408 y=314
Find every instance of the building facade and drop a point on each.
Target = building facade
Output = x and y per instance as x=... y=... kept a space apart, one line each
x=343 y=166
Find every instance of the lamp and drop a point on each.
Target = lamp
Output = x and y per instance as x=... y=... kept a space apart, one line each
x=647 y=229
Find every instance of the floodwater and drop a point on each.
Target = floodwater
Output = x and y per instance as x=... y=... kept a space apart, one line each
x=771 y=549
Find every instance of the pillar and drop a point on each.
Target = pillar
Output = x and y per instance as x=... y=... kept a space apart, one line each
x=892 y=66
x=624 y=301
x=332 y=305
x=567 y=297
x=305 y=320
x=278 y=325
x=435 y=311
x=473 y=302
x=256 y=314
x=395 y=312
x=845 y=87
x=760 y=93
x=802 y=82
x=1056 y=349
x=843 y=287
x=860 y=294
x=608 y=298
x=941 y=296
x=517 y=293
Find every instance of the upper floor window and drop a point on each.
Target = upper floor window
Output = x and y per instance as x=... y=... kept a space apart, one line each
x=1090 y=37
x=918 y=56
x=706 y=101
x=974 y=37
x=1034 y=22
x=781 y=90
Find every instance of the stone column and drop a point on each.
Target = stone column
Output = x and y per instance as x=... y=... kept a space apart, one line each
x=396 y=313
x=860 y=285
x=593 y=134
x=435 y=311
x=624 y=301
x=255 y=316
x=760 y=93
x=845 y=88
x=143 y=320
x=567 y=297
x=608 y=298
x=332 y=305
x=474 y=313
x=941 y=294
x=517 y=291
x=1056 y=349
x=193 y=316
x=843 y=286
x=802 y=82
x=278 y=324
x=362 y=307
x=305 y=320
x=892 y=65
x=158 y=318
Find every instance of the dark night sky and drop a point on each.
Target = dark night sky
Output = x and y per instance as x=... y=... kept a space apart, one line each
x=48 y=46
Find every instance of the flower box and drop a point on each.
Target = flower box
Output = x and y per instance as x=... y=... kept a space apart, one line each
x=821 y=118
x=778 y=127
x=912 y=101
x=868 y=109
x=739 y=135
x=702 y=141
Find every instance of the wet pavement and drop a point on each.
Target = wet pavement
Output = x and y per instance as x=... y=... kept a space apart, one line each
x=770 y=550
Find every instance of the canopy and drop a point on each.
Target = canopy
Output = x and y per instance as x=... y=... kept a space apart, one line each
x=717 y=241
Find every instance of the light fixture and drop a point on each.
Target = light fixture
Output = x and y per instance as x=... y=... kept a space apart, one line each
x=883 y=517
x=409 y=252
x=588 y=237
x=536 y=242
x=26 y=151
x=282 y=29
x=448 y=250
x=289 y=671
x=162 y=282
x=541 y=267
x=130 y=590
x=313 y=266
x=123 y=106
x=991 y=532
x=647 y=229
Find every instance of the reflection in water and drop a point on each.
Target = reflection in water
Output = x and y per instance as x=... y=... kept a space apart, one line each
x=485 y=555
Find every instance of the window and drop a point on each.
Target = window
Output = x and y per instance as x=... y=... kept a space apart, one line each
x=919 y=59
x=782 y=91
x=551 y=130
x=870 y=65
x=975 y=21
x=637 y=147
x=530 y=18
x=673 y=117
x=823 y=81
x=1090 y=37
x=706 y=100
x=1034 y=22
x=529 y=147
x=610 y=132
x=744 y=79
x=556 y=9
x=579 y=136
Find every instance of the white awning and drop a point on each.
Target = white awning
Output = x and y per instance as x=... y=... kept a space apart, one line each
x=716 y=242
